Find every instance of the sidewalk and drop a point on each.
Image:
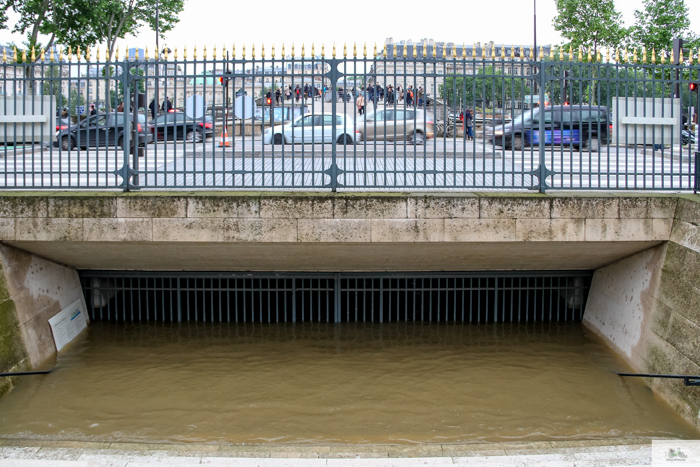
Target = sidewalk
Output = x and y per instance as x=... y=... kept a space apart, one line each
x=629 y=452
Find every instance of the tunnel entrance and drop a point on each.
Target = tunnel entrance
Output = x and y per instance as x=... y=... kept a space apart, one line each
x=468 y=297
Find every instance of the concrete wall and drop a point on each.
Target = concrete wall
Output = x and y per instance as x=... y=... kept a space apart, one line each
x=32 y=290
x=648 y=308
x=234 y=231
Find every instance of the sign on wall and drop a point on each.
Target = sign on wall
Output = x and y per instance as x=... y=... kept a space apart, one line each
x=68 y=323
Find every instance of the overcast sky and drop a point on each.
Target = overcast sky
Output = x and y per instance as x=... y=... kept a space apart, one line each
x=215 y=22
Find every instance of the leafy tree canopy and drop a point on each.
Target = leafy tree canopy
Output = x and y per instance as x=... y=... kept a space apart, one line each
x=590 y=24
x=661 y=21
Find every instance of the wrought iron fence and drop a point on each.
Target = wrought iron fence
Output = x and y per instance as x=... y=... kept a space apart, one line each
x=409 y=117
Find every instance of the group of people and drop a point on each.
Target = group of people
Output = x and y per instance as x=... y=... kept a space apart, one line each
x=288 y=93
x=389 y=95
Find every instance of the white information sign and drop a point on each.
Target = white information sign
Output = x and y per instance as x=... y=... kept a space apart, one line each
x=194 y=106
x=68 y=323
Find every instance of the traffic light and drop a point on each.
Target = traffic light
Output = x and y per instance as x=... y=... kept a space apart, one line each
x=223 y=80
x=693 y=87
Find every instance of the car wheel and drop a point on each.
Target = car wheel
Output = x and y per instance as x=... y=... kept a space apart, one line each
x=417 y=137
x=67 y=143
x=594 y=144
x=345 y=139
x=195 y=136
x=517 y=143
x=278 y=139
x=120 y=142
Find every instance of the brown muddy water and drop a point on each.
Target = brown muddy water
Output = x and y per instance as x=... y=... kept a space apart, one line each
x=325 y=383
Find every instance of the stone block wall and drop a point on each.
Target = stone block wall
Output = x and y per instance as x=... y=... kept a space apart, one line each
x=648 y=308
x=32 y=290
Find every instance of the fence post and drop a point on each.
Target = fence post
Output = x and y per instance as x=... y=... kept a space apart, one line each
x=696 y=177
x=542 y=171
x=125 y=171
x=333 y=171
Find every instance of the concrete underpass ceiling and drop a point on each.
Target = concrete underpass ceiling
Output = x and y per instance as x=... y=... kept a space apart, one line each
x=336 y=257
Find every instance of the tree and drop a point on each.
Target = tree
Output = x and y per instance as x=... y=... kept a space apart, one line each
x=490 y=85
x=115 y=19
x=590 y=24
x=661 y=21
x=66 y=22
x=52 y=85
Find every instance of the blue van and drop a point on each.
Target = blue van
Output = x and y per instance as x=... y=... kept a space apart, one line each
x=580 y=126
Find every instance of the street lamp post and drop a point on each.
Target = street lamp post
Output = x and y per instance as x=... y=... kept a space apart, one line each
x=534 y=52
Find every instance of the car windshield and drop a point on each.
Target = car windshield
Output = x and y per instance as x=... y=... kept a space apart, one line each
x=526 y=117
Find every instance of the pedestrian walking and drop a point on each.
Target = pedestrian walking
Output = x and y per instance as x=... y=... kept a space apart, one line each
x=469 y=125
x=154 y=108
x=420 y=96
x=360 y=104
x=93 y=110
x=120 y=107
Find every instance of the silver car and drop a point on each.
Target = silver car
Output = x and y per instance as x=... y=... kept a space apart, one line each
x=313 y=129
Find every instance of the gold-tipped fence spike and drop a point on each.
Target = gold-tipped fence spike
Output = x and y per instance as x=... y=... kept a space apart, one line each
x=333 y=50
x=503 y=53
x=354 y=49
x=626 y=57
x=512 y=52
x=303 y=51
x=653 y=56
x=580 y=53
x=273 y=52
x=483 y=52
x=223 y=51
x=634 y=55
x=474 y=50
x=43 y=54
x=385 y=52
x=425 y=49
x=415 y=51
x=194 y=52
x=107 y=54
x=395 y=51
x=532 y=53
x=97 y=54
x=345 y=50
x=233 y=50
x=561 y=54
x=174 y=54
x=51 y=56
x=464 y=50
x=252 y=51
x=33 y=55
x=690 y=58
x=262 y=51
x=204 y=52
x=589 y=57
x=24 y=55
x=243 y=50
x=444 y=51
x=405 y=51
x=213 y=52
x=541 y=56
x=617 y=55
x=571 y=53
x=375 y=50
x=136 y=55
x=454 y=51
x=14 y=54
x=663 y=56
x=155 y=55
x=364 y=51
x=4 y=56
x=323 y=50
x=644 y=55
x=598 y=57
x=673 y=58
x=551 y=53
x=493 y=52
x=313 y=49
x=283 y=55
x=116 y=53
x=680 y=57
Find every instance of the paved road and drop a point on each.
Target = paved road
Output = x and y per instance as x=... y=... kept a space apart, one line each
x=440 y=163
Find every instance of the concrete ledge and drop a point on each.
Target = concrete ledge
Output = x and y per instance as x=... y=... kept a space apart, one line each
x=74 y=229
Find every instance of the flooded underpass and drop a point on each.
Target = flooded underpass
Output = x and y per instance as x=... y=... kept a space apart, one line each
x=511 y=370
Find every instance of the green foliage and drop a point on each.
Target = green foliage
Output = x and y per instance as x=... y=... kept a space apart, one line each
x=661 y=21
x=490 y=85
x=590 y=24
x=51 y=86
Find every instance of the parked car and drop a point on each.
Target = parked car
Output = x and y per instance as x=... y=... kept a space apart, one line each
x=177 y=125
x=581 y=126
x=313 y=129
x=105 y=129
x=397 y=124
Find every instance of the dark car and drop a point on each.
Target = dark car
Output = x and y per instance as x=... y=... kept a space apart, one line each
x=105 y=129
x=177 y=125
x=581 y=126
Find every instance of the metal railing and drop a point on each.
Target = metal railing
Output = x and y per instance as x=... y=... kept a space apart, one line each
x=557 y=123
x=467 y=297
